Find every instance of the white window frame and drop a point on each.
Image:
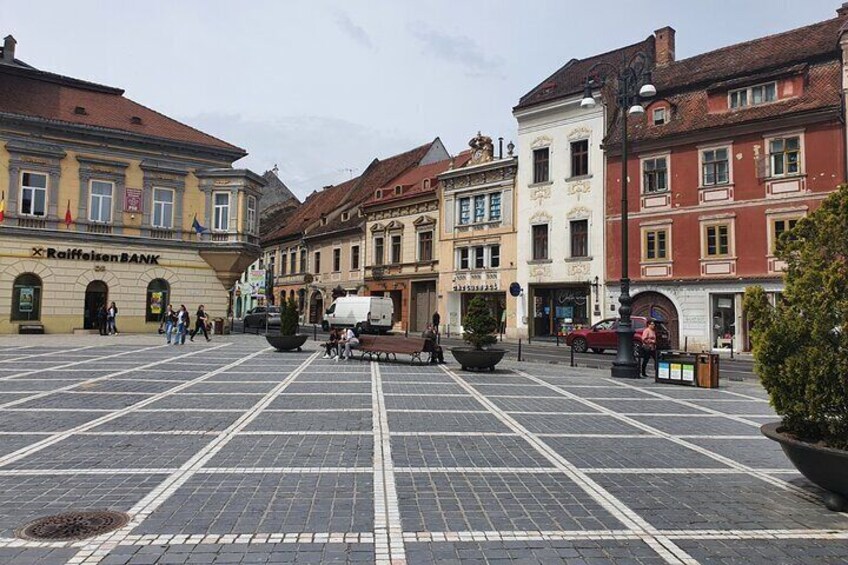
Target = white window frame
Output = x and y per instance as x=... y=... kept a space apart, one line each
x=432 y=233
x=663 y=112
x=801 y=149
x=358 y=257
x=221 y=213
x=379 y=260
x=643 y=161
x=478 y=198
x=459 y=202
x=339 y=251
x=34 y=189
x=500 y=206
x=463 y=254
x=492 y=256
x=96 y=202
x=749 y=95
x=251 y=214
x=392 y=248
x=162 y=206
x=715 y=147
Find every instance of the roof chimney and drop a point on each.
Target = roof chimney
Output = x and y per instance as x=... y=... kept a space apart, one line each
x=664 y=46
x=9 y=49
x=842 y=11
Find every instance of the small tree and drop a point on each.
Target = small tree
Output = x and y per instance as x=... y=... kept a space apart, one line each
x=479 y=326
x=289 y=318
x=801 y=345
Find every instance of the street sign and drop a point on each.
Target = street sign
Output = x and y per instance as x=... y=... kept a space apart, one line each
x=515 y=289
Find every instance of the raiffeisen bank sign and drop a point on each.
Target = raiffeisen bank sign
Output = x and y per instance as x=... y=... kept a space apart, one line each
x=81 y=255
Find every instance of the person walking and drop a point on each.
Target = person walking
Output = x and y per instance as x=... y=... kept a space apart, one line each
x=200 y=323
x=182 y=325
x=112 y=319
x=168 y=323
x=350 y=342
x=649 y=345
x=101 y=319
x=437 y=354
x=436 y=321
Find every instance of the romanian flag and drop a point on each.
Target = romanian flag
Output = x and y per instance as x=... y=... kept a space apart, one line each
x=68 y=219
x=197 y=227
x=3 y=206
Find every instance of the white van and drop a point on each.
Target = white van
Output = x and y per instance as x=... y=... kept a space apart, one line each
x=368 y=313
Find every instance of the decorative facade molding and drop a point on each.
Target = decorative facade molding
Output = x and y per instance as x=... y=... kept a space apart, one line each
x=580 y=132
x=579 y=187
x=579 y=212
x=540 y=193
x=541 y=141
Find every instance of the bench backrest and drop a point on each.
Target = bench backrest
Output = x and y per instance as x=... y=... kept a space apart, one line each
x=394 y=344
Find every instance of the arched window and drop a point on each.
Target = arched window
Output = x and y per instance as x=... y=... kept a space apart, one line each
x=26 y=298
x=158 y=295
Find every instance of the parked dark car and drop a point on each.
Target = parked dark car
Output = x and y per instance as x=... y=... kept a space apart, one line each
x=603 y=336
x=255 y=317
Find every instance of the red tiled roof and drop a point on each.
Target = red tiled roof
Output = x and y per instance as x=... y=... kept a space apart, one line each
x=570 y=79
x=413 y=180
x=33 y=93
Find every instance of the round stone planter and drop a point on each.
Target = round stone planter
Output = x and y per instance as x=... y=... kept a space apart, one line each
x=823 y=466
x=471 y=358
x=286 y=342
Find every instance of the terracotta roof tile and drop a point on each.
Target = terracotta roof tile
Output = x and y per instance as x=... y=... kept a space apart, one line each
x=412 y=182
x=33 y=93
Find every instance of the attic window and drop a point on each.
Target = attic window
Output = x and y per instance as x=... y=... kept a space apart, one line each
x=79 y=110
x=378 y=194
x=345 y=216
x=323 y=221
x=398 y=189
x=752 y=96
x=659 y=116
x=135 y=120
x=426 y=184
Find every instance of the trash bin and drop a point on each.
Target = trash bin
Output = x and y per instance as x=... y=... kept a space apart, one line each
x=676 y=367
x=708 y=370
x=218 y=326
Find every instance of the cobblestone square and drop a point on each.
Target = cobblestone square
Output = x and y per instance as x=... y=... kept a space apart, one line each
x=266 y=457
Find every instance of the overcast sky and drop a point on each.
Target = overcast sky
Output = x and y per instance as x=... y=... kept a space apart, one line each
x=320 y=87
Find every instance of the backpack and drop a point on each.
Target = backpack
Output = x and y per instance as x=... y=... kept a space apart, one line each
x=356 y=331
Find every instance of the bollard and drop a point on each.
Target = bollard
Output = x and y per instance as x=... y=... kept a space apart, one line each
x=314 y=332
x=528 y=338
x=448 y=331
x=656 y=362
x=406 y=332
x=519 y=350
x=572 y=356
x=732 y=338
x=557 y=339
x=686 y=344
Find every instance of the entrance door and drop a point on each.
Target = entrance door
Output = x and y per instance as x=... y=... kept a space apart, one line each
x=423 y=304
x=96 y=294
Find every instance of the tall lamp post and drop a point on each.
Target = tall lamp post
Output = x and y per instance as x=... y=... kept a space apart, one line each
x=632 y=83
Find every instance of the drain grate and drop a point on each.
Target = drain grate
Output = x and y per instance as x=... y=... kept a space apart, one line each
x=73 y=525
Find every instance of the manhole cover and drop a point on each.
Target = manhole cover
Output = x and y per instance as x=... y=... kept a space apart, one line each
x=73 y=525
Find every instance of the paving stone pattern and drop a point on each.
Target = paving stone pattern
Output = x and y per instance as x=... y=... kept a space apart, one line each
x=229 y=452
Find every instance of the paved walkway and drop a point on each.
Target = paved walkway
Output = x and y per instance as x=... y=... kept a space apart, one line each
x=228 y=452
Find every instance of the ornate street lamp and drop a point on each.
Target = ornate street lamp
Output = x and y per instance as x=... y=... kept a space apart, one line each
x=632 y=83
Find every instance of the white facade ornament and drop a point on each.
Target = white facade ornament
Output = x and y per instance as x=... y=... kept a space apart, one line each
x=579 y=187
x=541 y=141
x=579 y=212
x=580 y=132
x=540 y=193
x=540 y=271
x=540 y=217
x=579 y=268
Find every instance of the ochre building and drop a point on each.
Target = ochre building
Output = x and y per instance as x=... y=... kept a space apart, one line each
x=106 y=200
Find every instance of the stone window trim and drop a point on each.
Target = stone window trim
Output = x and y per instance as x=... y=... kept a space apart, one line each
x=712 y=147
x=162 y=175
x=355 y=253
x=773 y=215
x=106 y=170
x=26 y=156
x=664 y=226
x=728 y=220
x=768 y=138
x=571 y=144
x=668 y=172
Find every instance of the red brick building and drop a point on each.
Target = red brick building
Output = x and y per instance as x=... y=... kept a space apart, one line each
x=737 y=145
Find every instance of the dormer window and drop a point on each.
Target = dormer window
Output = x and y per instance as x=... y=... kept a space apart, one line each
x=398 y=189
x=345 y=216
x=659 y=116
x=378 y=194
x=753 y=95
x=323 y=220
x=426 y=184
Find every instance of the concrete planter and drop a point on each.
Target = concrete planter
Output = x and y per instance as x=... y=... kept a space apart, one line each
x=823 y=466
x=471 y=358
x=286 y=342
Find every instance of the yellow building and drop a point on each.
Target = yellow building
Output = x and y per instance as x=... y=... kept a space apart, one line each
x=478 y=236
x=106 y=200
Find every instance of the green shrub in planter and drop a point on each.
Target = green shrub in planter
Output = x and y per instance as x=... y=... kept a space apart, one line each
x=479 y=326
x=801 y=344
x=289 y=318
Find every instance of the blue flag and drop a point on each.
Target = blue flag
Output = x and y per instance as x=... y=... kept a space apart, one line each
x=197 y=227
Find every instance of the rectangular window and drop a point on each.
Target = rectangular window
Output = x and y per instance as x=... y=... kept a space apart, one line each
x=463 y=258
x=656 y=244
x=33 y=194
x=221 y=219
x=753 y=95
x=464 y=210
x=379 y=250
x=480 y=208
x=540 y=164
x=718 y=240
x=396 y=249
x=303 y=260
x=659 y=116
x=715 y=167
x=785 y=156
x=480 y=257
x=580 y=158
x=654 y=175
x=354 y=258
x=779 y=227
x=163 y=208
x=580 y=238
x=495 y=256
x=317 y=263
x=425 y=246
x=337 y=260
x=283 y=264
x=100 y=202
x=251 y=214
x=540 y=242
x=293 y=262
x=495 y=206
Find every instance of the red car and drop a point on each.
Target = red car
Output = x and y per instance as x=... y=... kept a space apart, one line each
x=603 y=335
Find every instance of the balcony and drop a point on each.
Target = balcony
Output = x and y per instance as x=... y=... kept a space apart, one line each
x=31 y=222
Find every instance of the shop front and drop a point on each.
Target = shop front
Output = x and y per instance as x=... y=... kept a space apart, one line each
x=558 y=309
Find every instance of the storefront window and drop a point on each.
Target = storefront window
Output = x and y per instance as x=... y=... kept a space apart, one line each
x=724 y=320
x=26 y=298
x=560 y=310
x=158 y=294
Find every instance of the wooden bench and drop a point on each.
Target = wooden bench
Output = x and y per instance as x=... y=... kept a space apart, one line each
x=379 y=345
x=31 y=328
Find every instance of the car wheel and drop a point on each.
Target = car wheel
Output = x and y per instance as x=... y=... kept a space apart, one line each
x=597 y=350
x=579 y=345
x=244 y=326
